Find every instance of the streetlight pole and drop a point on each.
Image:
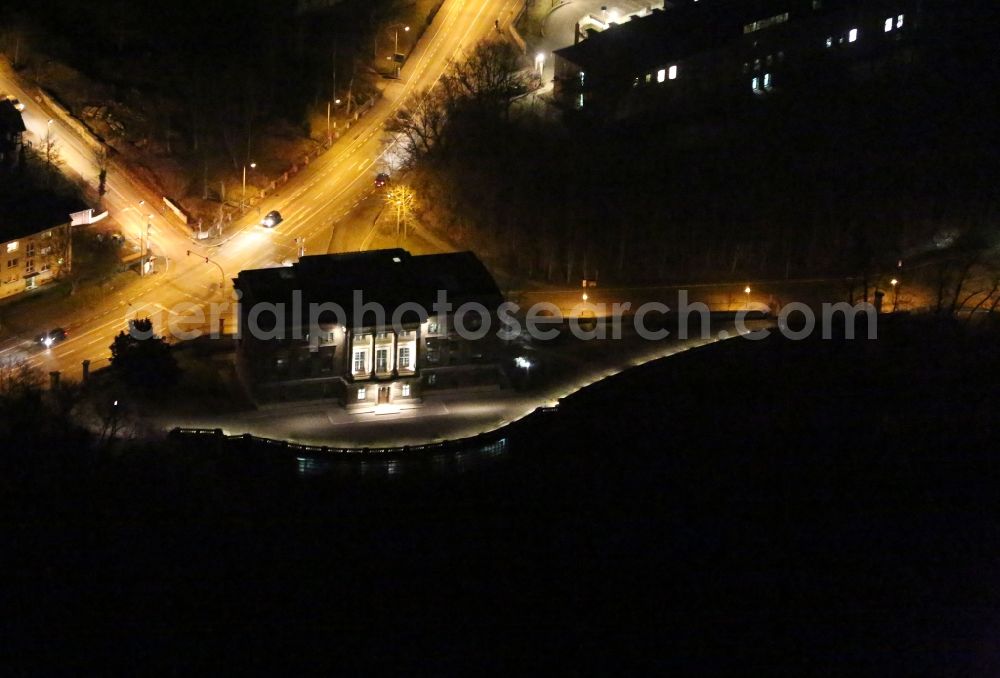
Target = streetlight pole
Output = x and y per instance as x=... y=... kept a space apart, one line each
x=395 y=47
x=144 y=248
x=747 y=292
x=222 y=284
x=243 y=199
x=895 y=294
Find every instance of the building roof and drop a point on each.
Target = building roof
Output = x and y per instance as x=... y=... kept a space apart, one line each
x=389 y=277
x=11 y=121
x=672 y=34
x=28 y=211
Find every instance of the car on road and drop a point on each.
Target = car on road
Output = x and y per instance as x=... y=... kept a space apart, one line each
x=52 y=337
x=271 y=219
x=381 y=179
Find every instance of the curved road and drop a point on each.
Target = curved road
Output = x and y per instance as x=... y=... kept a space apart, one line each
x=314 y=205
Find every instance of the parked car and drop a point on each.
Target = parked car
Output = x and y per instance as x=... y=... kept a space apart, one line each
x=381 y=179
x=271 y=219
x=52 y=337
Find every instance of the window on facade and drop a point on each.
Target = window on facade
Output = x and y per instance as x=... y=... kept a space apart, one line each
x=899 y=21
x=756 y=84
x=46 y=250
x=852 y=35
x=889 y=23
x=649 y=78
x=761 y=24
x=432 y=327
x=31 y=249
x=406 y=390
x=46 y=266
x=382 y=360
x=404 y=357
x=432 y=379
x=767 y=81
x=11 y=247
x=361 y=394
x=829 y=42
x=359 y=362
x=29 y=266
x=11 y=263
x=661 y=75
x=672 y=72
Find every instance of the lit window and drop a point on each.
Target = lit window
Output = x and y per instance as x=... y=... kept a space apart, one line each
x=756 y=84
x=661 y=75
x=852 y=35
x=582 y=76
x=406 y=390
x=767 y=81
x=579 y=101
x=432 y=379
x=672 y=73
x=829 y=42
x=899 y=21
x=11 y=247
x=361 y=394
x=359 y=362
x=404 y=357
x=888 y=24
x=11 y=263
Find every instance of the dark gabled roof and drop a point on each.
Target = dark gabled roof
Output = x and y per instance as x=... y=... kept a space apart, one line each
x=387 y=277
x=11 y=121
x=28 y=211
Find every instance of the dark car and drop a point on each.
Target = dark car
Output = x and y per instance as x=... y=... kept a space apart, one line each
x=52 y=337
x=271 y=219
x=381 y=179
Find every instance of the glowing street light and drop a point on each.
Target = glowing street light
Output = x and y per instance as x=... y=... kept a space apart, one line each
x=243 y=199
x=895 y=294
x=747 y=292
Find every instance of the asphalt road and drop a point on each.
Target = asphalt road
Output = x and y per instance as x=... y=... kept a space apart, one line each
x=315 y=205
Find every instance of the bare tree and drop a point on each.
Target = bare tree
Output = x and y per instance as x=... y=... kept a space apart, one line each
x=419 y=125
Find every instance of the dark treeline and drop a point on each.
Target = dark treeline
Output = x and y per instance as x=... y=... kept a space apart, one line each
x=838 y=175
x=208 y=74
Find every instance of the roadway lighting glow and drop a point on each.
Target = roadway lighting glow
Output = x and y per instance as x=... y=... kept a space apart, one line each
x=522 y=362
x=585 y=296
x=893 y=282
x=336 y=101
x=253 y=165
x=747 y=292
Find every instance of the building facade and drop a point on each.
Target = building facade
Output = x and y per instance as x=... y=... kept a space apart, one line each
x=360 y=355
x=29 y=259
x=714 y=51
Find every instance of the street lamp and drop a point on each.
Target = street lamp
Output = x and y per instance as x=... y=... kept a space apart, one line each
x=243 y=199
x=540 y=62
x=395 y=44
x=144 y=246
x=397 y=27
x=895 y=294
x=747 y=292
